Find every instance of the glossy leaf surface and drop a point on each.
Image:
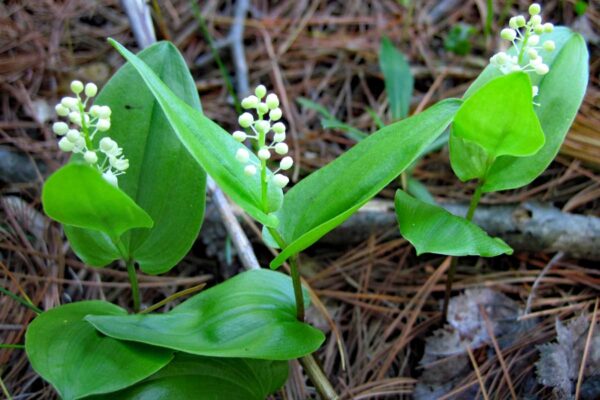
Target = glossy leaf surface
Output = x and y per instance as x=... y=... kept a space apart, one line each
x=77 y=195
x=78 y=361
x=208 y=378
x=431 y=229
x=210 y=145
x=251 y=315
x=399 y=82
x=329 y=196
x=163 y=178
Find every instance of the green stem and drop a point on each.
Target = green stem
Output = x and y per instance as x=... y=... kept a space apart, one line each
x=5 y=390
x=474 y=201
x=135 y=290
x=11 y=346
x=18 y=299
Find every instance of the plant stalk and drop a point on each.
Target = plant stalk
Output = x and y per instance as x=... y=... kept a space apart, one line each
x=135 y=290
x=296 y=281
x=322 y=384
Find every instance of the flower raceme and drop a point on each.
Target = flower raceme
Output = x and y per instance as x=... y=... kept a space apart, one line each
x=269 y=134
x=88 y=123
x=526 y=44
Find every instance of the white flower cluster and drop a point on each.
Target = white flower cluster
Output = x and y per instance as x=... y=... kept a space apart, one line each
x=88 y=124
x=261 y=128
x=529 y=45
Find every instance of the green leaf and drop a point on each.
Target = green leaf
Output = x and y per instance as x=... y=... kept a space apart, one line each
x=459 y=39
x=215 y=378
x=70 y=354
x=330 y=122
x=431 y=229
x=399 y=82
x=251 y=315
x=419 y=190
x=210 y=145
x=163 y=178
x=327 y=197
x=77 y=195
x=499 y=117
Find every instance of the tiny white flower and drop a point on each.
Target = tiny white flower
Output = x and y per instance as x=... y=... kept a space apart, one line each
x=110 y=177
x=79 y=145
x=262 y=126
x=66 y=145
x=264 y=154
x=513 y=23
x=534 y=9
x=75 y=117
x=541 y=69
x=521 y=21
x=91 y=89
x=95 y=111
x=77 y=87
x=281 y=148
x=538 y=29
x=107 y=145
x=240 y=136
x=61 y=110
x=104 y=112
x=534 y=40
x=250 y=170
x=532 y=53
x=286 y=163
x=535 y=20
x=279 y=127
x=279 y=137
x=250 y=102
x=103 y=124
x=260 y=91
x=242 y=155
x=535 y=90
x=275 y=114
x=73 y=135
x=272 y=101
x=90 y=157
x=280 y=180
x=549 y=45
x=548 y=27
x=262 y=108
x=120 y=164
x=70 y=102
x=508 y=34
x=60 y=128
x=245 y=120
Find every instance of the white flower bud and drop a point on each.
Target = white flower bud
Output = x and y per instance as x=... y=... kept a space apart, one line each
x=538 y=29
x=548 y=27
x=280 y=180
x=107 y=145
x=532 y=53
x=65 y=145
x=275 y=114
x=70 y=102
x=535 y=20
x=549 y=45
x=262 y=126
x=279 y=137
x=104 y=112
x=521 y=21
x=103 y=124
x=95 y=111
x=262 y=108
x=260 y=91
x=281 y=148
x=534 y=9
x=508 y=34
x=120 y=164
x=250 y=102
x=242 y=155
x=240 y=136
x=75 y=117
x=110 y=177
x=79 y=145
x=533 y=40
x=541 y=69
x=286 y=163
x=250 y=170
x=513 y=23
x=245 y=120
x=272 y=101
x=534 y=91
x=500 y=58
x=60 y=128
x=61 y=110
x=264 y=154
x=77 y=87
x=90 y=157
x=279 y=127
x=73 y=135
x=91 y=89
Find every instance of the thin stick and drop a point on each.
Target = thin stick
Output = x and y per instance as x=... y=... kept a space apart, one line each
x=490 y=331
x=172 y=297
x=586 y=351
x=477 y=372
x=539 y=278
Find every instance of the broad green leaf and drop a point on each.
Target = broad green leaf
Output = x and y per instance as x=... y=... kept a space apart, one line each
x=93 y=247
x=208 y=378
x=468 y=160
x=163 y=178
x=210 y=145
x=499 y=117
x=431 y=229
x=78 y=361
x=419 y=190
x=251 y=315
x=399 y=82
x=77 y=195
x=327 y=197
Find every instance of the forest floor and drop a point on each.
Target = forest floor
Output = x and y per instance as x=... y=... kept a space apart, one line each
x=381 y=304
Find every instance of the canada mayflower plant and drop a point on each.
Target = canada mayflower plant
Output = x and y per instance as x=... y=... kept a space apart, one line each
x=526 y=44
x=268 y=133
x=79 y=139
